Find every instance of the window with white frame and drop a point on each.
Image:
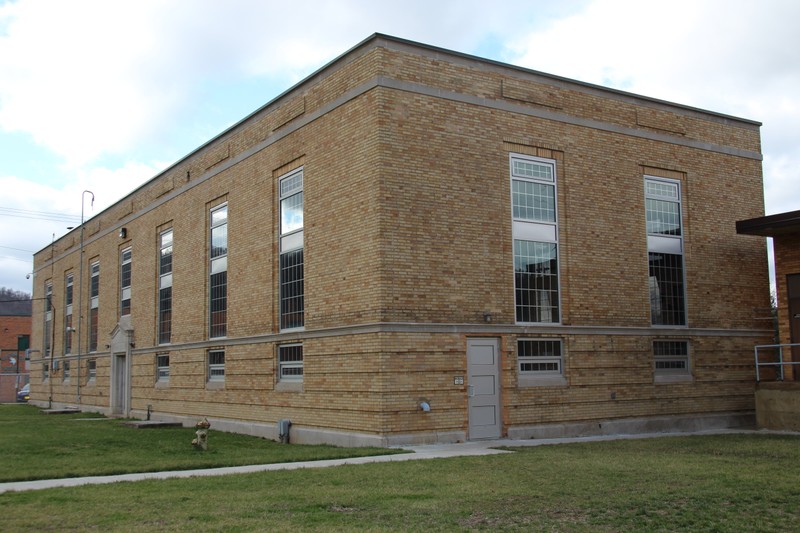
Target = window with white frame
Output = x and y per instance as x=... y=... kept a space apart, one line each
x=48 y=317
x=671 y=357
x=292 y=287
x=92 y=366
x=68 y=329
x=165 y=288
x=45 y=371
x=218 y=279
x=66 y=370
x=216 y=365
x=94 y=306
x=162 y=367
x=665 y=251
x=540 y=357
x=290 y=362
x=125 y=282
x=535 y=230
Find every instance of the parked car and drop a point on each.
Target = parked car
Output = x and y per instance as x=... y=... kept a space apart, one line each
x=24 y=393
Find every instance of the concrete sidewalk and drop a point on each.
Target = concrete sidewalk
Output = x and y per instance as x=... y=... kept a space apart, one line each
x=429 y=451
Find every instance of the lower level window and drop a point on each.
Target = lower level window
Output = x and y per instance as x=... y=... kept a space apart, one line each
x=216 y=365
x=45 y=371
x=290 y=362
x=66 y=369
x=539 y=357
x=671 y=357
x=162 y=367
x=92 y=365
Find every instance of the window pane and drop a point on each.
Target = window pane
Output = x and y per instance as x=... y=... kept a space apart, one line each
x=219 y=216
x=219 y=304
x=162 y=367
x=219 y=241
x=536 y=281
x=541 y=356
x=68 y=334
x=290 y=362
x=292 y=184
x=93 y=328
x=671 y=356
x=533 y=201
x=292 y=290
x=667 y=306
x=165 y=264
x=663 y=218
x=68 y=296
x=164 y=315
x=216 y=365
x=661 y=188
x=94 y=289
x=292 y=213
x=532 y=169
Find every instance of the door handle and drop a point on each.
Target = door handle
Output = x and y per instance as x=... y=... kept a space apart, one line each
x=470 y=391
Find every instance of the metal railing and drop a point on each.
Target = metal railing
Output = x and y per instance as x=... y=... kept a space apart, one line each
x=779 y=363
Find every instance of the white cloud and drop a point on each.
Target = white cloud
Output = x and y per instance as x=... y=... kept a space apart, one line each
x=91 y=77
x=26 y=229
x=730 y=56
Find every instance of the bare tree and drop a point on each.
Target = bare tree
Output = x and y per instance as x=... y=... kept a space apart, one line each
x=14 y=302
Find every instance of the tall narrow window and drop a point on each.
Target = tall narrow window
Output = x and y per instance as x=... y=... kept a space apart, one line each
x=535 y=229
x=48 y=318
x=665 y=251
x=125 y=282
x=292 y=287
x=165 y=288
x=68 y=329
x=218 y=283
x=94 y=306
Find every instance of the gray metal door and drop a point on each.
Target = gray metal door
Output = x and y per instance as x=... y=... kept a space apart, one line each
x=483 y=388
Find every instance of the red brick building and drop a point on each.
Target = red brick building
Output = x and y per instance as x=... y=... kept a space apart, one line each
x=13 y=365
x=416 y=245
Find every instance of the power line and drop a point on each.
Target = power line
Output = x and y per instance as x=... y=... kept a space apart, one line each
x=15 y=258
x=17 y=249
x=38 y=215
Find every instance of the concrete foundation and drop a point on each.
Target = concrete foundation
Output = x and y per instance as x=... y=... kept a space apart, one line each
x=778 y=406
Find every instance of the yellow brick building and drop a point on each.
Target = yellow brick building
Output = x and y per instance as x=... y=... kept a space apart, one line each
x=415 y=245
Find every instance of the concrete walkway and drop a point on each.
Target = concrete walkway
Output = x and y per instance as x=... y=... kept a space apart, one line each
x=431 y=451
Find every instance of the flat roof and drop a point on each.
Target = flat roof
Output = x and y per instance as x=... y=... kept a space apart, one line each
x=771 y=225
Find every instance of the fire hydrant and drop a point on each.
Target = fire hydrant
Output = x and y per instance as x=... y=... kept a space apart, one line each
x=201 y=441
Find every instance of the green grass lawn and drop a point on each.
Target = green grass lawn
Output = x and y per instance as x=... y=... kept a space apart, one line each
x=38 y=446
x=723 y=483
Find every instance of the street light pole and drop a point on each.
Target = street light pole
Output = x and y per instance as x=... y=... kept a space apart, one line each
x=80 y=292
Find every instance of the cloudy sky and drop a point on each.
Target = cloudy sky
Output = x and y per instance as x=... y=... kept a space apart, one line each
x=101 y=95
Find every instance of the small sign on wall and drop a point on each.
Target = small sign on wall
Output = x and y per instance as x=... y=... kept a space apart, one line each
x=458 y=380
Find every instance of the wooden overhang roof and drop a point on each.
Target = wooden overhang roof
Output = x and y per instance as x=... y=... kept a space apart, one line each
x=771 y=225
